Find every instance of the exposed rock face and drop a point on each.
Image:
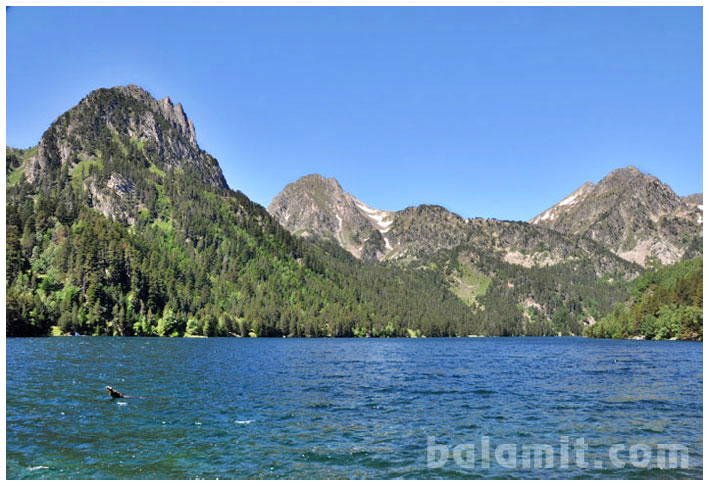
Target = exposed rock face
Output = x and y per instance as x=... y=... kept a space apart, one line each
x=633 y=214
x=319 y=207
x=113 y=203
x=124 y=115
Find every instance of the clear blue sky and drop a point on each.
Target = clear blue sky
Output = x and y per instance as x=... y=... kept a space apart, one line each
x=493 y=112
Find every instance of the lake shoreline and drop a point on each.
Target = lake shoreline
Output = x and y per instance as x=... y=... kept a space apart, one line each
x=367 y=337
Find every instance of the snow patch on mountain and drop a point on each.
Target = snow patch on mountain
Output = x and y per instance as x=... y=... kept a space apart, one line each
x=382 y=219
x=569 y=200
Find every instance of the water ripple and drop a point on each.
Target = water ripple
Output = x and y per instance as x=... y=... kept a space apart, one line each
x=339 y=409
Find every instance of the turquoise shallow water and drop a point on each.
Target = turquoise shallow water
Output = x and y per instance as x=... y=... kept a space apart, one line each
x=344 y=408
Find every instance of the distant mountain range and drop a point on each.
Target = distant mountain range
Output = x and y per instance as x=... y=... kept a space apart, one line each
x=632 y=214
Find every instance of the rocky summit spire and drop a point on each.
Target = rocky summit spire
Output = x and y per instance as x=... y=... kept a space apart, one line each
x=177 y=117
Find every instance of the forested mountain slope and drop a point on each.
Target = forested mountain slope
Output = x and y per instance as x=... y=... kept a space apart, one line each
x=666 y=303
x=118 y=223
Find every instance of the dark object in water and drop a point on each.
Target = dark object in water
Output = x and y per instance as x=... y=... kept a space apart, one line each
x=114 y=393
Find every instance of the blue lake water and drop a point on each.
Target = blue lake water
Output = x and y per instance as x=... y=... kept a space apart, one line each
x=348 y=408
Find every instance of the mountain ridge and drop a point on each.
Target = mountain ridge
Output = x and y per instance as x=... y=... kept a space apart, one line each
x=676 y=218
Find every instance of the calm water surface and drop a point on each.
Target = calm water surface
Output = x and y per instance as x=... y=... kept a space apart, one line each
x=341 y=408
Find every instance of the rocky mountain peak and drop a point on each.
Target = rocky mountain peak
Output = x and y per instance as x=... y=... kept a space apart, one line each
x=107 y=142
x=629 y=171
x=632 y=179
x=633 y=213
x=318 y=207
x=119 y=118
x=317 y=179
x=133 y=90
